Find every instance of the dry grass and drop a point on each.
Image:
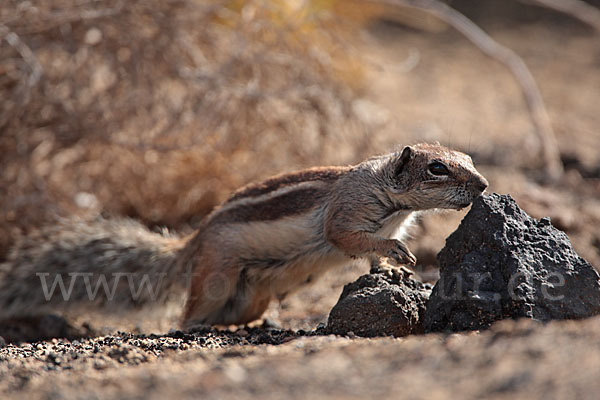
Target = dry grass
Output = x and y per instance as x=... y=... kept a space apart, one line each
x=156 y=109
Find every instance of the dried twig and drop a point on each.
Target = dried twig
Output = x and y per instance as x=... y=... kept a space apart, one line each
x=578 y=9
x=65 y=16
x=25 y=52
x=25 y=87
x=539 y=116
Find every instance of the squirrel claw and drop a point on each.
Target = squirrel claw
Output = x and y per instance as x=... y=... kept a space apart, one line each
x=402 y=255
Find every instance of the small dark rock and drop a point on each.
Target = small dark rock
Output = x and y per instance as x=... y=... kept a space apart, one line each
x=41 y=327
x=501 y=263
x=379 y=305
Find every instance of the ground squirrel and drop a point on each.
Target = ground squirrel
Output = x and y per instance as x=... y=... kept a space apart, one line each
x=265 y=241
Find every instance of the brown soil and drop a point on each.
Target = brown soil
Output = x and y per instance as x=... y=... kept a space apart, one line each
x=513 y=359
x=425 y=86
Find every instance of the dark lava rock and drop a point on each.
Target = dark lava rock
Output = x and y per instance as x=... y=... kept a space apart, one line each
x=379 y=305
x=501 y=263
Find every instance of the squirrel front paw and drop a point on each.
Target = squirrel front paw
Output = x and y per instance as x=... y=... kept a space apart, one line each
x=395 y=272
x=401 y=254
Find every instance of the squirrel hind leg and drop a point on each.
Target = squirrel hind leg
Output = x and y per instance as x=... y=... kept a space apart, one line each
x=223 y=298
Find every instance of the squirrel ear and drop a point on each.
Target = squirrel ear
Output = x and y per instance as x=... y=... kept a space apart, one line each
x=403 y=159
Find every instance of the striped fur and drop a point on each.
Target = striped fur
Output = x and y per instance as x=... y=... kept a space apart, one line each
x=276 y=236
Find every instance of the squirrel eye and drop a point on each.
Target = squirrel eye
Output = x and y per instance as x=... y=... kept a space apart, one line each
x=438 y=169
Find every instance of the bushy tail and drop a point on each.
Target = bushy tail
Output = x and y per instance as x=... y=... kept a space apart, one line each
x=109 y=266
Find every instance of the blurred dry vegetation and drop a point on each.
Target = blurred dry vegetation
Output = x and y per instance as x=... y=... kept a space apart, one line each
x=157 y=109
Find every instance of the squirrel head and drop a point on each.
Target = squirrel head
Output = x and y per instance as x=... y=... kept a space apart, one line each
x=427 y=176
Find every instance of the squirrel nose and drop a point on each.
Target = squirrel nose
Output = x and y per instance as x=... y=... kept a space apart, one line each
x=479 y=184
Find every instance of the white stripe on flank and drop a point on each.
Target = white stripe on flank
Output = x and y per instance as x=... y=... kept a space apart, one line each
x=268 y=196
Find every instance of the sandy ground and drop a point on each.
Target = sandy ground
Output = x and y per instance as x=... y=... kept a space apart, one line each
x=429 y=86
x=513 y=359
